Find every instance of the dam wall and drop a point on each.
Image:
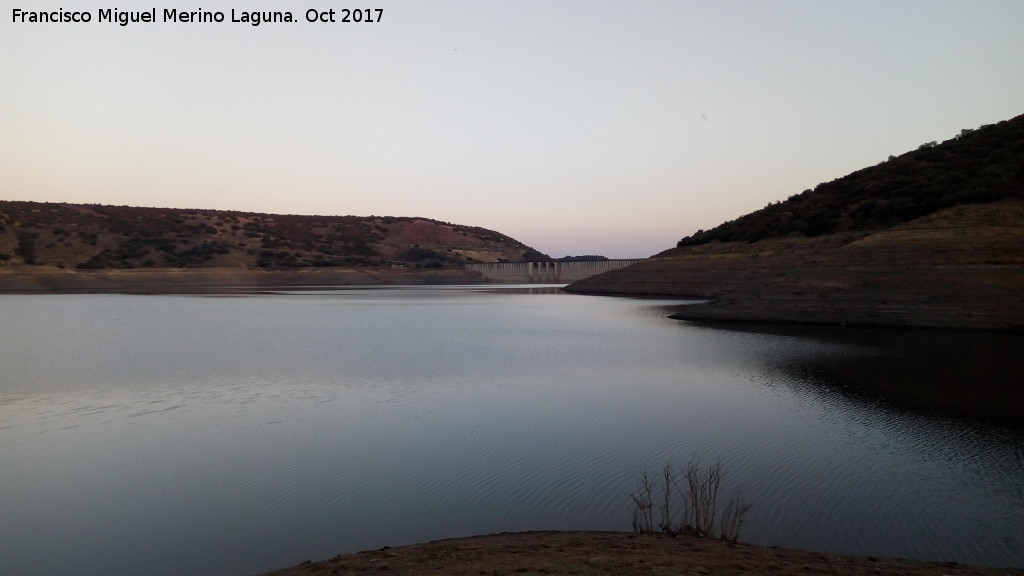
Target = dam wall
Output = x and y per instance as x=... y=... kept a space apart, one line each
x=546 y=272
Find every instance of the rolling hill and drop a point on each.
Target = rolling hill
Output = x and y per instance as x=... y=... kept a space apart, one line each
x=73 y=247
x=121 y=237
x=933 y=238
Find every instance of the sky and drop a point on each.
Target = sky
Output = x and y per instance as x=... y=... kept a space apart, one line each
x=576 y=127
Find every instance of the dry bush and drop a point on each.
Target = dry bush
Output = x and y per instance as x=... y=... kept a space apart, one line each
x=643 y=520
x=733 y=517
x=702 y=491
x=697 y=510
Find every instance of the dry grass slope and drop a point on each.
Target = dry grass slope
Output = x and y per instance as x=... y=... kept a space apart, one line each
x=959 y=268
x=94 y=237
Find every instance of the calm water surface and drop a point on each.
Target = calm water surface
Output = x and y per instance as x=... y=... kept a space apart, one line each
x=229 y=435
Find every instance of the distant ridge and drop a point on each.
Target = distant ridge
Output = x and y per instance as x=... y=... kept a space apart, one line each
x=930 y=239
x=96 y=237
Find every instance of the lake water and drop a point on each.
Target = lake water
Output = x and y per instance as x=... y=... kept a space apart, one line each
x=229 y=435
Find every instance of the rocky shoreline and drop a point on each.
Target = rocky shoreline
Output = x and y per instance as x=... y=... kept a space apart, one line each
x=614 y=553
x=959 y=269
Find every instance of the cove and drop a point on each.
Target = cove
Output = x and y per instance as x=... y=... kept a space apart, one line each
x=235 y=434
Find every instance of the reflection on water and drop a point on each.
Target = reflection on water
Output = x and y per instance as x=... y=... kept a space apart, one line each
x=188 y=434
x=974 y=376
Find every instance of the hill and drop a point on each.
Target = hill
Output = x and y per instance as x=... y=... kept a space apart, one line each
x=72 y=247
x=121 y=237
x=895 y=245
x=982 y=165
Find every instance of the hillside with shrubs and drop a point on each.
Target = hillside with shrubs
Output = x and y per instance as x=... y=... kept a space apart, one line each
x=933 y=238
x=96 y=237
x=982 y=165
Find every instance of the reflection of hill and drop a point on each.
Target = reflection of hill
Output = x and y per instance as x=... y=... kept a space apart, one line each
x=943 y=249
x=964 y=375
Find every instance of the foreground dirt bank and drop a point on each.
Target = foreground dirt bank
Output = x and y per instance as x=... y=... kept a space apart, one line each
x=608 y=553
x=961 y=269
x=36 y=279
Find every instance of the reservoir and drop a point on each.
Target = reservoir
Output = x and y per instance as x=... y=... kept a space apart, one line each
x=234 y=434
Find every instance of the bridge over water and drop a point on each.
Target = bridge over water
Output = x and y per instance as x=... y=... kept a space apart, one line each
x=557 y=272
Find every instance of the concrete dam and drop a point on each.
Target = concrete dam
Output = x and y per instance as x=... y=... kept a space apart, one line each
x=546 y=272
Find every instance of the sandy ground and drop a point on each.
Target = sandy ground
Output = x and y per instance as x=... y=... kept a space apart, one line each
x=611 y=553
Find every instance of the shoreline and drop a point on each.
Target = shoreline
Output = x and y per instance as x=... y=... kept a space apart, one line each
x=49 y=280
x=952 y=298
x=958 y=269
x=618 y=553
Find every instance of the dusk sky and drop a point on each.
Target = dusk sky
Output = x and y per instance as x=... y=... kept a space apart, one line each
x=576 y=127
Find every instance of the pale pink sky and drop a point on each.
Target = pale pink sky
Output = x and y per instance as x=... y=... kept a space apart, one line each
x=577 y=127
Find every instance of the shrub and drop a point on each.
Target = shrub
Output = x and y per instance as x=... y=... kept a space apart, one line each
x=698 y=489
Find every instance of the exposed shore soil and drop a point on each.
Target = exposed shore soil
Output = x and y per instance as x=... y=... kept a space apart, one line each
x=962 y=269
x=42 y=280
x=611 y=553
